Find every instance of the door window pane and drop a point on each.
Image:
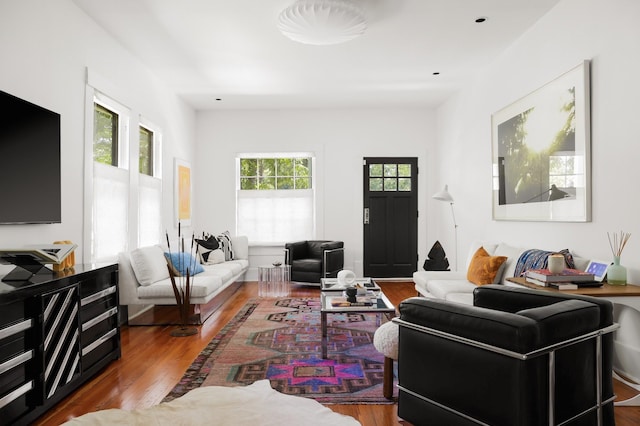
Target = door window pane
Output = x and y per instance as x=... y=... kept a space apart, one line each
x=390 y=184
x=390 y=170
x=375 y=170
x=375 y=184
x=404 y=184
x=404 y=170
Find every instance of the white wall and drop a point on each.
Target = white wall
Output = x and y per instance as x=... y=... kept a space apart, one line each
x=46 y=47
x=339 y=138
x=606 y=33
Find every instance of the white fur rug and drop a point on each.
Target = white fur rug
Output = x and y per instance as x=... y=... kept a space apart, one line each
x=254 y=405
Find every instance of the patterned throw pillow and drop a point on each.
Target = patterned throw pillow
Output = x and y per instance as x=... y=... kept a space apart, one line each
x=483 y=268
x=206 y=246
x=224 y=240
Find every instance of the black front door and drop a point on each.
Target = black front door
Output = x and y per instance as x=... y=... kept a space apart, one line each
x=390 y=217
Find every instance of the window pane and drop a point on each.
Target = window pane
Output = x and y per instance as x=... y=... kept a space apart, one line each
x=390 y=184
x=303 y=183
x=390 y=170
x=303 y=167
x=375 y=184
x=375 y=170
x=146 y=151
x=404 y=184
x=285 y=167
x=266 y=167
x=267 y=183
x=248 y=183
x=285 y=183
x=248 y=167
x=404 y=170
x=105 y=136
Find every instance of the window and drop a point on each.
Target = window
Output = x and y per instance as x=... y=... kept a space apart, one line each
x=110 y=203
x=390 y=177
x=275 y=197
x=565 y=170
x=105 y=140
x=149 y=185
x=146 y=151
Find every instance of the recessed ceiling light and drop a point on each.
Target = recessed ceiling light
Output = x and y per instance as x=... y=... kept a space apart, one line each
x=481 y=19
x=436 y=73
x=218 y=99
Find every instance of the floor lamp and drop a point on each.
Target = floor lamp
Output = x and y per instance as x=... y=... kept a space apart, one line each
x=446 y=197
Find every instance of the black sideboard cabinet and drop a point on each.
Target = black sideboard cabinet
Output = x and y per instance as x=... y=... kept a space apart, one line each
x=57 y=330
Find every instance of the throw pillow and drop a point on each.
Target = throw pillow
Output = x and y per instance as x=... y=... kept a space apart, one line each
x=224 y=240
x=483 y=268
x=149 y=265
x=181 y=261
x=205 y=246
x=216 y=256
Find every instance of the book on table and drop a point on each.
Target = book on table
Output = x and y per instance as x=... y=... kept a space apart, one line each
x=563 y=286
x=567 y=275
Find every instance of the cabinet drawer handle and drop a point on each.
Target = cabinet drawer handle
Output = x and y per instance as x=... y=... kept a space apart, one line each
x=98 y=295
x=15 y=361
x=100 y=341
x=10 y=397
x=103 y=316
x=15 y=328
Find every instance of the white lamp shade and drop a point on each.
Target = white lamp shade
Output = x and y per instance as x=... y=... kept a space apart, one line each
x=322 y=22
x=443 y=195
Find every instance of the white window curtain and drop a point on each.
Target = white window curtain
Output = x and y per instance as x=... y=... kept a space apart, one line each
x=110 y=210
x=276 y=216
x=149 y=210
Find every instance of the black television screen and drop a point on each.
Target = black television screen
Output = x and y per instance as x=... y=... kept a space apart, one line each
x=29 y=162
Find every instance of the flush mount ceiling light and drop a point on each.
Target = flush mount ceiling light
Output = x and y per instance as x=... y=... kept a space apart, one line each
x=322 y=22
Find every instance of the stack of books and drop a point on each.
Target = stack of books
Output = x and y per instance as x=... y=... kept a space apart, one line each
x=568 y=279
x=360 y=301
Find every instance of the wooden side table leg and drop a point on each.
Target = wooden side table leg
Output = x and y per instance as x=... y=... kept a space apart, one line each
x=387 y=378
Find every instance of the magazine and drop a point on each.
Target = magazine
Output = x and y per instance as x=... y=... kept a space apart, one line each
x=43 y=253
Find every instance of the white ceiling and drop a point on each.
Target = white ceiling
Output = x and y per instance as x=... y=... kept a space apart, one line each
x=232 y=49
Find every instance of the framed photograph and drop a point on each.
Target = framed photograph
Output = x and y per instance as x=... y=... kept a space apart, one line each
x=541 y=153
x=182 y=179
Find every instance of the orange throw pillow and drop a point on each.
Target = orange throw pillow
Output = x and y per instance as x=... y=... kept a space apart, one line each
x=484 y=268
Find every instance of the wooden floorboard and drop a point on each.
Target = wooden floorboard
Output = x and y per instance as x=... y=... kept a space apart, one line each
x=153 y=362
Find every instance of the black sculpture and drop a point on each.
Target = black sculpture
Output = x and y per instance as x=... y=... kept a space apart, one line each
x=437 y=259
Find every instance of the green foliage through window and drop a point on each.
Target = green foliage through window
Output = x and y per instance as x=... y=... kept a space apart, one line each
x=146 y=151
x=105 y=135
x=275 y=173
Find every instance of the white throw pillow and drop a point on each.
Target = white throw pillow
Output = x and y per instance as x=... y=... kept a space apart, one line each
x=149 y=265
x=215 y=256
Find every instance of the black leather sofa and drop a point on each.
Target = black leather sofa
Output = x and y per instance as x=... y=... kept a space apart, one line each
x=311 y=260
x=517 y=357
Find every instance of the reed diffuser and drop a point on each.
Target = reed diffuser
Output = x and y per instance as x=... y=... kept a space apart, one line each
x=616 y=273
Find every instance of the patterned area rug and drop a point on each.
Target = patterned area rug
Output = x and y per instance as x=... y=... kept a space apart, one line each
x=280 y=340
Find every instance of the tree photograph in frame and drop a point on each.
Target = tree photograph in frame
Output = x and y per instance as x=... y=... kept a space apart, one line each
x=541 y=153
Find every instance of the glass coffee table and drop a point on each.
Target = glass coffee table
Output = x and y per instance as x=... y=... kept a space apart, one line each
x=380 y=306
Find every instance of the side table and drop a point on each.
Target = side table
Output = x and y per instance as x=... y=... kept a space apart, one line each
x=274 y=281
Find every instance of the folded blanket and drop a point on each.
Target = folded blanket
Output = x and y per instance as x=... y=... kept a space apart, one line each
x=537 y=259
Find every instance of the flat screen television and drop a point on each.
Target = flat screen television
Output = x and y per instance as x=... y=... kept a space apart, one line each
x=30 y=179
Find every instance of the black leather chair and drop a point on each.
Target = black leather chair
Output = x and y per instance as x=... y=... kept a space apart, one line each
x=311 y=260
x=517 y=357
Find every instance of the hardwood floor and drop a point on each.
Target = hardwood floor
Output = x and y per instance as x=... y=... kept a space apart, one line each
x=153 y=362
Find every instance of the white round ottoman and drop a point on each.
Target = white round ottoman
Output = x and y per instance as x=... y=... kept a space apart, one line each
x=385 y=340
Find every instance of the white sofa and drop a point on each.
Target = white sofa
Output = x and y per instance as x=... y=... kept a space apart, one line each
x=144 y=278
x=454 y=286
